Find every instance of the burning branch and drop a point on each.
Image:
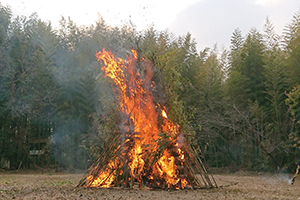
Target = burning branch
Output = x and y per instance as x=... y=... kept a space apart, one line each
x=148 y=151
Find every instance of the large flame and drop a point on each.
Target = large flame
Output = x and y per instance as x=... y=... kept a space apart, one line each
x=136 y=103
x=106 y=178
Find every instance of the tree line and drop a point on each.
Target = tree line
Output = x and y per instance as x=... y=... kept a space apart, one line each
x=238 y=105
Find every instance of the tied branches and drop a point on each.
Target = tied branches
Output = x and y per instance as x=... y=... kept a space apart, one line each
x=150 y=148
x=113 y=167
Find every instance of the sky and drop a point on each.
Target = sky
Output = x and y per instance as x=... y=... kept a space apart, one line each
x=209 y=21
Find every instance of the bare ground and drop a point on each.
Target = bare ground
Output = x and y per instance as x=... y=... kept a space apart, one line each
x=62 y=186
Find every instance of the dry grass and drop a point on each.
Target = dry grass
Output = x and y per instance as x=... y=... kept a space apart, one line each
x=62 y=186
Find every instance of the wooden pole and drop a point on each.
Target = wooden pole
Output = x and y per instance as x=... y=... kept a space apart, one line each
x=295 y=175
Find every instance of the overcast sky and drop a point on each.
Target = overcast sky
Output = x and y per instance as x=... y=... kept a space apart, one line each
x=209 y=21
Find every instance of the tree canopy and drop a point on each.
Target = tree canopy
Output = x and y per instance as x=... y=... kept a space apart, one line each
x=240 y=105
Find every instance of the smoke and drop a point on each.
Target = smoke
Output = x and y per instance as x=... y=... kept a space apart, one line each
x=61 y=83
x=180 y=140
x=66 y=145
x=284 y=177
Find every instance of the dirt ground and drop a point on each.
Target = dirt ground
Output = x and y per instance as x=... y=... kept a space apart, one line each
x=239 y=185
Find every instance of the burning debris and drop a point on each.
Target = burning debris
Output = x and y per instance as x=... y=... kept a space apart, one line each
x=148 y=150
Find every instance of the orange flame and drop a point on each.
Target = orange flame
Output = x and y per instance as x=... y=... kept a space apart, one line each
x=106 y=178
x=136 y=102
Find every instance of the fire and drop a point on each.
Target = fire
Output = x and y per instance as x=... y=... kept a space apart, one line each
x=164 y=114
x=167 y=168
x=137 y=163
x=106 y=178
x=138 y=107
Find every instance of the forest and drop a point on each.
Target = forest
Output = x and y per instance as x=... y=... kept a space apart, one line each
x=238 y=105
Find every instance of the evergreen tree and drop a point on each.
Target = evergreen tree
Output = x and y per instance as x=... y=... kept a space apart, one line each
x=252 y=67
x=235 y=86
x=274 y=72
x=292 y=47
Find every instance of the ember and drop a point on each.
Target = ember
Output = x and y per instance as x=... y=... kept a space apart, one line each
x=146 y=151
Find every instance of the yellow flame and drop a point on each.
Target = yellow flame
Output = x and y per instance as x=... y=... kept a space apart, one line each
x=137 y=164
x=136 y=100
x=181 y=154
x=134 y=53
x=164 y=114
x=106 y=178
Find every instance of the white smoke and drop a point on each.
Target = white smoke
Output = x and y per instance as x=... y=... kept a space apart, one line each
x=284 y=177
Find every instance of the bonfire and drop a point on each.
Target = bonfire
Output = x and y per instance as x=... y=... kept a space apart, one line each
x=148 y=150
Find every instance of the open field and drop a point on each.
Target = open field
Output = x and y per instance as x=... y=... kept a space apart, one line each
x=239 y=185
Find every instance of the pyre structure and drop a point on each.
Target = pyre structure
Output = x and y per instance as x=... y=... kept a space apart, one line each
x=149 y=150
